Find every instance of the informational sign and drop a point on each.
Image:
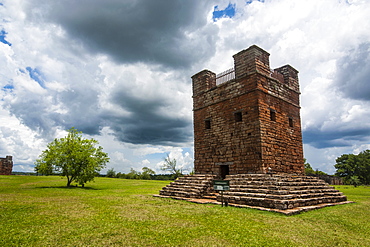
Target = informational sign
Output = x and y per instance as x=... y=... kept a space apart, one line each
x=221 y=185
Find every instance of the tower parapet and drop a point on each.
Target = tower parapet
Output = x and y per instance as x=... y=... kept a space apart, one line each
x=251 y=60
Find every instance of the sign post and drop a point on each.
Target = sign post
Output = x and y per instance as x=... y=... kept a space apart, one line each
x=221 y=186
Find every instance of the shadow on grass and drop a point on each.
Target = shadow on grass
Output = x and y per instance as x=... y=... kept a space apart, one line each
x=67 y=187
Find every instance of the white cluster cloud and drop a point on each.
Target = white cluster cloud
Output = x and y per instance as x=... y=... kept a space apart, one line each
x=120 y=72
x=184 y=161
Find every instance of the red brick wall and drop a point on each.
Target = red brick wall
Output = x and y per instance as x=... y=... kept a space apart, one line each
x=6 y=165
x=232 y=122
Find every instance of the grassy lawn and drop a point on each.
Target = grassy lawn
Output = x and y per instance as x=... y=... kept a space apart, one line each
x=40 y=211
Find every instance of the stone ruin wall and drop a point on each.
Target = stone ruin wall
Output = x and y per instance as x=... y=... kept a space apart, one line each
x=251 y=123
x=6 y=165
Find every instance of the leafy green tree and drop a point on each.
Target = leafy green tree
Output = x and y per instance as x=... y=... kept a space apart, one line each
x=317 y=172
x=147 y=172
x=364 y=166
x=170 y=165
x=307 y=168
x=352 y=167
x=310 y=171
x=347 y=166
x=73 y=157
x=354 y=180
x=111 y=173
x=133 y=174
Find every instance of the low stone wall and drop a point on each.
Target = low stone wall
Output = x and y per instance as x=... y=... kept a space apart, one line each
x=330 y=179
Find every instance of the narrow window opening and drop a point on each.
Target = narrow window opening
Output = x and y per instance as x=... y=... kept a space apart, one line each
x=272 y=115
x=207 y=123
x=238 y=116
x=290 y=122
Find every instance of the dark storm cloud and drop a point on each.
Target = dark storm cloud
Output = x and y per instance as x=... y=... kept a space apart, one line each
x=134 y=31
x=80 y=106
x=168 y=33
x=147 y=122
x=353 y=76
x=83 y=111
x=335 y=137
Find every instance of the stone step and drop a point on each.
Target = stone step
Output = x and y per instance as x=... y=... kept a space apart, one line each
x=273 y=178
x=277 y=183
x=177 y=183
x=185 y=194
x=189 y=186
x=197 y=190
x=280 y=190
x=192 y=181
x=283 y=197
x=196 y=177
x=212 y=196
x=281 y=204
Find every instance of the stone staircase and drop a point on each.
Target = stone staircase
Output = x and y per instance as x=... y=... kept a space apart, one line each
x=283 y=193
x=280 y=192
x=190 y=186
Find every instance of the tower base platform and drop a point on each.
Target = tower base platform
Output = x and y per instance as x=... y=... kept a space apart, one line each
x=283 y=193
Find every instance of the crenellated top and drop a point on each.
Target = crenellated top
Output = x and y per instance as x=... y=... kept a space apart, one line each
x=251 y=60
x=281 y=82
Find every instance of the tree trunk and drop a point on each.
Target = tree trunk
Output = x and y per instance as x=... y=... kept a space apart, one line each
x=69 y=181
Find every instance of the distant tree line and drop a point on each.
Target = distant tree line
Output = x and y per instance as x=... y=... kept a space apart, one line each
x=310 y=171
x=169 y=165
x=354 y=169
x=146 y=174
x=330 y=179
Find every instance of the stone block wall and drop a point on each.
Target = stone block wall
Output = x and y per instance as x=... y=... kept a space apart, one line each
x=6 y=165
x=250 y=124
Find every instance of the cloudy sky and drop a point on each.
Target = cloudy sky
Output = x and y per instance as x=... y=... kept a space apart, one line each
x=119 y=70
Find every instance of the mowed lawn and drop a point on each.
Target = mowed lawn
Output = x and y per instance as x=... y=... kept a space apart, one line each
x=41 y=211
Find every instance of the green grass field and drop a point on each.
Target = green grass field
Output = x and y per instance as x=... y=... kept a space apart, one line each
x=40 y=211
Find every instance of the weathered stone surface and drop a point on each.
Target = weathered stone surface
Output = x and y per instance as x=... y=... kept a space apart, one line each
x=251 y=123
x=279 y=191
x=6 y=165
x=195 y=186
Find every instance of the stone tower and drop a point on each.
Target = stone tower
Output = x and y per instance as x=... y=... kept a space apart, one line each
x=247 y=119
x=247 y=131
x=6 y=165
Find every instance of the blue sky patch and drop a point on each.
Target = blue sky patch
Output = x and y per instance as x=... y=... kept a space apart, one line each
x=229 y=12
x=8 y=88
x=2 y=38
x=251 y=1
x=36 y=75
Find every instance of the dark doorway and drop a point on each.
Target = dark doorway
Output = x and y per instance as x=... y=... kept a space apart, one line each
x=224 y=170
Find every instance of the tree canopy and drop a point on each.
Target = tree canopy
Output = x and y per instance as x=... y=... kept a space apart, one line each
x=355 y=169
x=310 y=171
x=170 y=165
x=307 y=168
x=74 y=157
